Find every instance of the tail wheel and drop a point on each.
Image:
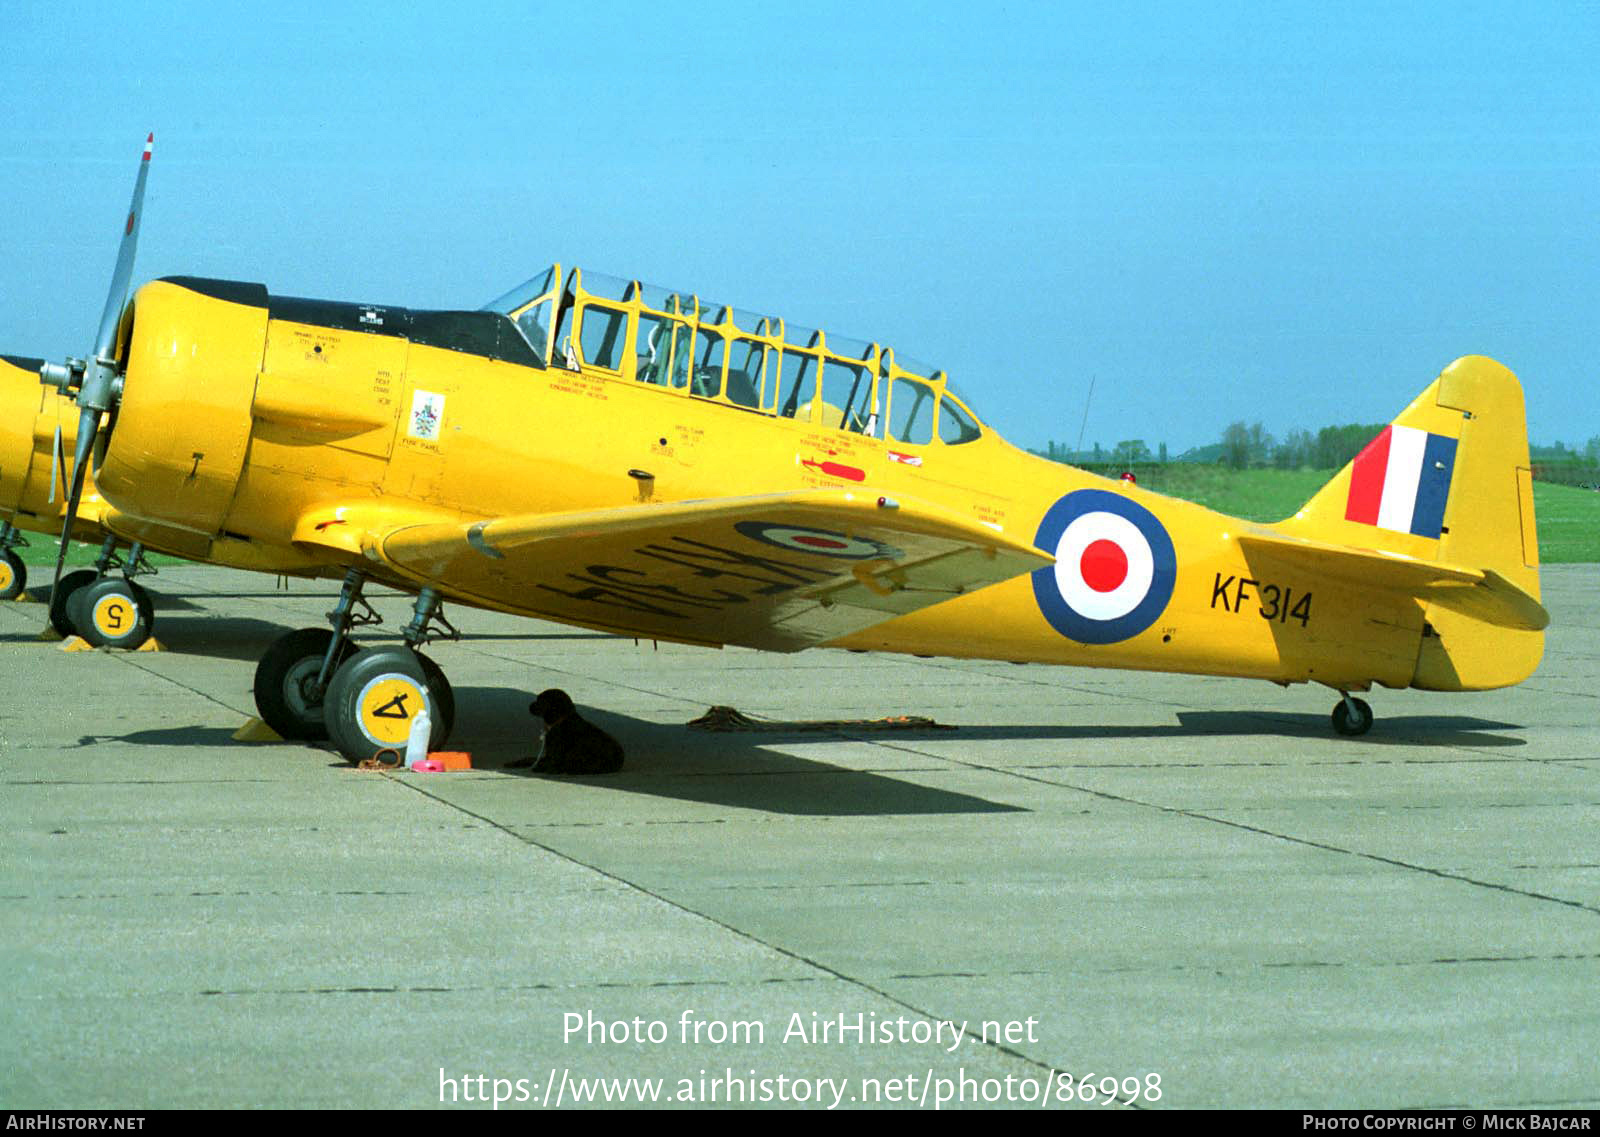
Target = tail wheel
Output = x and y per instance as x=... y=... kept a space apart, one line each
x=285 y=684
x=13 y=575
x=1350 y=722
x=65 y=589
x=115 y=613
x=373 y=699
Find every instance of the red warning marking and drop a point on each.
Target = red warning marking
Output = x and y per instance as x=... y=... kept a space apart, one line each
x=1104 y=566
x=129 y=228
x=834 y=469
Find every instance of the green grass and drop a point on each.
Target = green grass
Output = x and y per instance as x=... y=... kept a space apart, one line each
x=1255 y=495
x=1569 y=523
x=1568 y=517
x=41 y=553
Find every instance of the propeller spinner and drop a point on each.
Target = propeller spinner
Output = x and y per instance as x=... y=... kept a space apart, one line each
x=95 y=380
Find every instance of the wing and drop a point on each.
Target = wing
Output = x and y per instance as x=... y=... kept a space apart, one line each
x=1482 y=594
x=779 y=572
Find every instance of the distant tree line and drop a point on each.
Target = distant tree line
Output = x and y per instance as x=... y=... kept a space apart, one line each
x=1558 y=463
x=1247 y=446
x=1130 y=452
x=1250 y=446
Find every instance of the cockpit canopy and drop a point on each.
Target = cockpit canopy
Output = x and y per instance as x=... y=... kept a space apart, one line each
x=630 y=330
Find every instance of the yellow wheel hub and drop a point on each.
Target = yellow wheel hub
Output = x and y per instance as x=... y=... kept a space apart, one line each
x=386 y=707
x=114 y=615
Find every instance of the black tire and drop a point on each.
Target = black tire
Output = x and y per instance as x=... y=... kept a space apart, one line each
x=372 y=700
x=283 y=678
x=13 y=575
x=114 y=612
x=68 y=587
x=444 y=697
x=1352 y=725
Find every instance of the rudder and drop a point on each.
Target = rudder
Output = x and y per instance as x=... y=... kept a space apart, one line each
x=1448 y=480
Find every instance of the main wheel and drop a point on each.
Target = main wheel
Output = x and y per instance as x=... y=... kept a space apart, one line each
x=13 y=575
x=373 y=698
x=1352 y=724
x=115 y=612
x=285 y=686
x=68 y=587
x=444 y=698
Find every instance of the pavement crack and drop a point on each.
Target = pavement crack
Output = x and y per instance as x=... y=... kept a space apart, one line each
x=128 y=659
x=825 y=969
x=1325 y=846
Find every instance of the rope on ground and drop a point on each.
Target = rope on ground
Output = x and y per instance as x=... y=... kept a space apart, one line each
x=731 y=718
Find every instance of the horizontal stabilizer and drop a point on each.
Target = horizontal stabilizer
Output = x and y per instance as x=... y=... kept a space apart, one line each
x=1482 y=594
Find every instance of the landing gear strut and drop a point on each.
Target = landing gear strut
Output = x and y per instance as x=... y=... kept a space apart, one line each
x=292 y=677
x=107 y=611
x=315 y=684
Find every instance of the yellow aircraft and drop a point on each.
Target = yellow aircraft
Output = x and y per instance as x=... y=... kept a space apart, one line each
x=610 y=454
x=38 y=434
x=35 y=437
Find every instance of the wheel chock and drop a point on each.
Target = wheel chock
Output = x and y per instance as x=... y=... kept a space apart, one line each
x=255 y=731
x=78 y=643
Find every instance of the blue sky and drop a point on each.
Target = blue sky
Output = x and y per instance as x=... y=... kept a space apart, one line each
x=1283 y=213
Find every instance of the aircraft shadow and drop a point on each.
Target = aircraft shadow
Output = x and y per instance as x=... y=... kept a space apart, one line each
x=22 y=637
x=166 y=602
x=168 y=736
x=665 y=761
x=161 y=601
x=672 y=761
x=227 y=637
x=739 y=770
x=1392 y=730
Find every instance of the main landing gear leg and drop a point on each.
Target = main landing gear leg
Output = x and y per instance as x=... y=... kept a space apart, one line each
x=115 y=611
x=292 y=677
x=1351 y=716
x=375 y=695
x=315 y=683
x=63 y=597
x=423 y=613
x=106 y=610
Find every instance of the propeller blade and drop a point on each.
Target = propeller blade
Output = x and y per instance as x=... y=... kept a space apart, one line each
x=88 y=427
x=105 y=340
x=55 y=464
x=97 y=390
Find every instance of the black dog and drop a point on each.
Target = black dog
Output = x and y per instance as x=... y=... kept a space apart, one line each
x=572 y=744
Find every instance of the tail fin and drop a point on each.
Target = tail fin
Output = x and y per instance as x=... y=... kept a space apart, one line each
x=1449 y=482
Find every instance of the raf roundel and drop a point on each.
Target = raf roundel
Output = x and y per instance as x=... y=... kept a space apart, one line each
x=823 y=542
x=1114 y=571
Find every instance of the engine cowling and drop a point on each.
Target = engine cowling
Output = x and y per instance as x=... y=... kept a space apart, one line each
x=182 y=428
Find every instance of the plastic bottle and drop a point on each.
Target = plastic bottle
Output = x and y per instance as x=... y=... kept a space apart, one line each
x=417 y=741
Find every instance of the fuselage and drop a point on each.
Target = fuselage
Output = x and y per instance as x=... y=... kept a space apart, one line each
x=280 y=432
